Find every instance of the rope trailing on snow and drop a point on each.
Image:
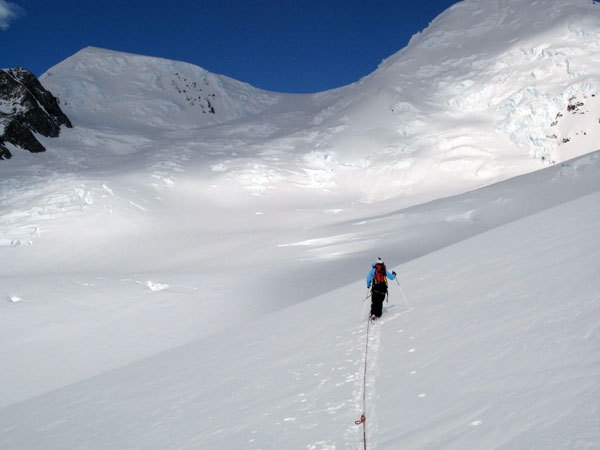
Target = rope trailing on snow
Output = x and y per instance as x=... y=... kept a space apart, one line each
x=363 y=418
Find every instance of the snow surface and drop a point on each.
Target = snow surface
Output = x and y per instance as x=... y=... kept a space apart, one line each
x=184 y=269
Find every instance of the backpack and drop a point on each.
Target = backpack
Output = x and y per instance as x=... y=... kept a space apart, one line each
x=380 y=278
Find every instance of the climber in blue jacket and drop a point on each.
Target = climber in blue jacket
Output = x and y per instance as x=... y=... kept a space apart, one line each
x=377 y=282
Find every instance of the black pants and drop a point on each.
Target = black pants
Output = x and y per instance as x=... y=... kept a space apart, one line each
x=377 y=299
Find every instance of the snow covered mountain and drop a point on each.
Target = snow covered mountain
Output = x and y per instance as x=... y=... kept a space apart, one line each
x=185 y=267
x=486 y=92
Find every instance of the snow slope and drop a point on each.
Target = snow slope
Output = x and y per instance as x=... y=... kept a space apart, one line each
x=494 y=346
x=184 y=268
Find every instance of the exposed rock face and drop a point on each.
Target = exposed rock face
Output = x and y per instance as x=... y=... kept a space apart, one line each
x=26 y=107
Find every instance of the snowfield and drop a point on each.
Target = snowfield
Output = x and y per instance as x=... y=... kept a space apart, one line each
x=184 y=269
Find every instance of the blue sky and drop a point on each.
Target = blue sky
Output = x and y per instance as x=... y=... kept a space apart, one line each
x=279 y=45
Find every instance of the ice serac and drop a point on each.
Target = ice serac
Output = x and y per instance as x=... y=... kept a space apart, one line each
x=487 y=91
x=26 y=108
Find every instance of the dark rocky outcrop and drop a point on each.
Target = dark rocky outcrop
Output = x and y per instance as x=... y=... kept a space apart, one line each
x=26 y=108
x=4 y=153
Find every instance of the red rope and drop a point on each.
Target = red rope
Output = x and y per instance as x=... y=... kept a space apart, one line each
x=363 y=418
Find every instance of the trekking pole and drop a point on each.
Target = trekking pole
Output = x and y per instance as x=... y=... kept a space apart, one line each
x=364 y=305
x=402 y=291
